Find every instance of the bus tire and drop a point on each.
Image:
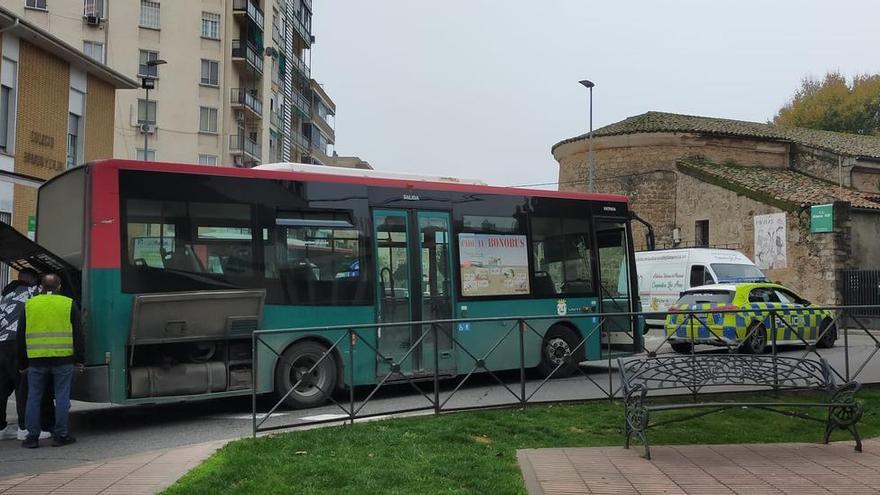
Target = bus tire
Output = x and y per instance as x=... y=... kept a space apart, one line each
x=827 y=341
x=756 y=340
x=556 y=346
x=294 y=365
x=682 y=347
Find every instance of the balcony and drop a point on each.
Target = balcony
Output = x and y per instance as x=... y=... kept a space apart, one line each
x=248 y=100
x=301 y=67
x=301 y=104
x=243 y=145
x=322 y=124
x=302 y=30
x=300 y=142
x=248 y=9
x=247 y=55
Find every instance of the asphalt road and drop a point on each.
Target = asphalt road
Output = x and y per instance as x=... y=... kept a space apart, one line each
x=108 y=431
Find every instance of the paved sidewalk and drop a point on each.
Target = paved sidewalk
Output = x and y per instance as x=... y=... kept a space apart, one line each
x=756 y=469
x=141 y=474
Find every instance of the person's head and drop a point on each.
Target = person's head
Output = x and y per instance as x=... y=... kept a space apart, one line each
x=29 y=277
x=51 y=282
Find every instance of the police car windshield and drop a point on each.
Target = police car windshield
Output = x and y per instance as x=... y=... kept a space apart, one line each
x=729 y=272
x=707 y=297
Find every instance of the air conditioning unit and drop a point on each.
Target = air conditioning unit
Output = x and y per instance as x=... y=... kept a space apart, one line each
x=93 y=20
x=147 y=128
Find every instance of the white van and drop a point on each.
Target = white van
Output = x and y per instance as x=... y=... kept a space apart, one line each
x=664 y=274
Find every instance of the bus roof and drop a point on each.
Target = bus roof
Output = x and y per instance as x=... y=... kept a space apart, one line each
x=345 y=176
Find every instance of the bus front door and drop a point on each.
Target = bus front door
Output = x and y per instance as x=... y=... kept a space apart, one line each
x=413 y=276
x=614 y=287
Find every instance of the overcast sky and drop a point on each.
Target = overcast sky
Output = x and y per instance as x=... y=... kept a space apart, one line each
x=484 y=88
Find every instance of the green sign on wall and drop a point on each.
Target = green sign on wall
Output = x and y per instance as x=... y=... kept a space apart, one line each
x=821 y=219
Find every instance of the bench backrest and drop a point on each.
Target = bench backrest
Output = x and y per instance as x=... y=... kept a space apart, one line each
x=710 y=370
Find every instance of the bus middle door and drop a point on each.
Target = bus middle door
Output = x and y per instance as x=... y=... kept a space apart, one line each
x=614 y=286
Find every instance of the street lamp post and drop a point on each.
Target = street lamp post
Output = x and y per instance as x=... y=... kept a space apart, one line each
x=590 y=172
x=148 y=82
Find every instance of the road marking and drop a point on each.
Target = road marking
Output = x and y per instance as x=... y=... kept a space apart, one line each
x=323 y=417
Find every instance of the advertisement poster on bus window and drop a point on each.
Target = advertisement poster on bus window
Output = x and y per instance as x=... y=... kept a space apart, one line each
x=770 y=241
x=493 y=264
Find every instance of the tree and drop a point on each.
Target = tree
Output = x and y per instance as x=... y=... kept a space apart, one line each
x=833 y=105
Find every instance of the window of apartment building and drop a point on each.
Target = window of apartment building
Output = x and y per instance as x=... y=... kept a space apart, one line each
x=276 y=27
x=211 y=25
x=208 y=120
x=8 y=78
x=145 y=70
x=72 y=139
x=146 y=112
x=210 y=73
x=701 y=233
x=94 y=50
x=36 y=4
x=207 y=159
x=94 y=8
x=149 y=14
x=150 y=156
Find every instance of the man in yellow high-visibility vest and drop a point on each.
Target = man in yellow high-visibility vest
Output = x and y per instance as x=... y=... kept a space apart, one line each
x=52 y=344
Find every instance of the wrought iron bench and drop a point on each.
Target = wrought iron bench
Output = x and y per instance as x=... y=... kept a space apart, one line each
x=698 y=372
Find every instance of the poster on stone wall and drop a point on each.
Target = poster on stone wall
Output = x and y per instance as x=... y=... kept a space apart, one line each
x=770 y=242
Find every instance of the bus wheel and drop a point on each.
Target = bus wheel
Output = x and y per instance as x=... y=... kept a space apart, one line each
x=557 y=347
x=756 y=342
x=827 y=341
x=294 y=366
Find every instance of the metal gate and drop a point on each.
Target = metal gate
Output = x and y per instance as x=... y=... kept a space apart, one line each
x=862 y=288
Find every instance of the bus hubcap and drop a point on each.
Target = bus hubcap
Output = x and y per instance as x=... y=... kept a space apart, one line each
x=557 y=350
x=309 y=383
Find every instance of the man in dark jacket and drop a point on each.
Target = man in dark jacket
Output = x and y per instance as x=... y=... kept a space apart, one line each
x=12 y=300
x=52 y=345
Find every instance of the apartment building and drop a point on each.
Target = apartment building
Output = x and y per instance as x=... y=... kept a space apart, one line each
x=231 y=79
x=56 y=110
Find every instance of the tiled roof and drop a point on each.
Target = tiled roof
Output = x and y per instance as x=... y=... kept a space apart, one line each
x=779 y=186
x=838 y=142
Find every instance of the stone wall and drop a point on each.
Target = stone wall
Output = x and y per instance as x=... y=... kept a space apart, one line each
x=866 y=179
x=865 y=239
x=642 y=166
x=821 y=164
x=813 y=260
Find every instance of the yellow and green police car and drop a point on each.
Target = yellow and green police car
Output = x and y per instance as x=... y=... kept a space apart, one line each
x=747 y=318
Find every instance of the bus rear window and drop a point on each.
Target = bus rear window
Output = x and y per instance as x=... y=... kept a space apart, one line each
x=707 y=297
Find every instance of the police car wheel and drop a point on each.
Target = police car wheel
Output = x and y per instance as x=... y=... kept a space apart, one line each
x=756 y=342
x=682 y=347
x=558 y=346
x=827 y=340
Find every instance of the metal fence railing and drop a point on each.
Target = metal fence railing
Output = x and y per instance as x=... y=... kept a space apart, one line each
x=803 y=332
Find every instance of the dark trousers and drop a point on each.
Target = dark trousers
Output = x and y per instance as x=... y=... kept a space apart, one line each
x=10 y=381
x=13 y=381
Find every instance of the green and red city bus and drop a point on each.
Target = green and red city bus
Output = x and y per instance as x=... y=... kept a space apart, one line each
x=175 y=266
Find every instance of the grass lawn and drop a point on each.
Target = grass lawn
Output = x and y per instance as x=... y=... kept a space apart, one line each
x=472 y=452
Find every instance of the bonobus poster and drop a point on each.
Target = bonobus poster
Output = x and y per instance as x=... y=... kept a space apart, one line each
x=493 y=264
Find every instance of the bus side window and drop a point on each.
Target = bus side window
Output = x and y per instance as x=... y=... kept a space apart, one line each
x=561 y=250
